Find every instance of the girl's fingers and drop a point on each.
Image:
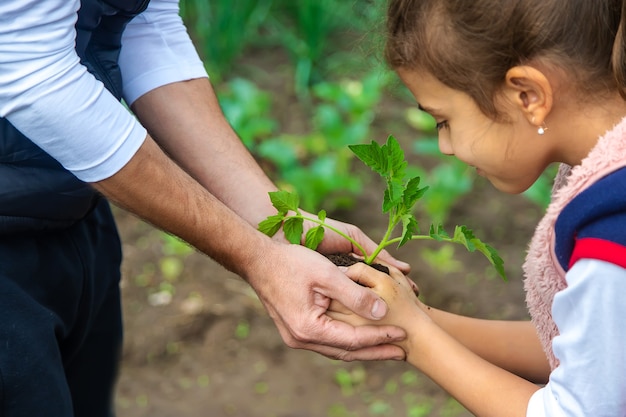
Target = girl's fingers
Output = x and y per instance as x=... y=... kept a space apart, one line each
x=365 y=275
x=337 y=307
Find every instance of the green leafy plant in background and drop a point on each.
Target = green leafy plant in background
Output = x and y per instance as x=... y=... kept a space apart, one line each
x=308 y=30
x=318 y=165
x=305 y=31
x=248 y=110
x=400 y=197
x=223 y=28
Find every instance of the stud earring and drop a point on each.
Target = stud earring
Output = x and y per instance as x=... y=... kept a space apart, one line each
x=542 y=129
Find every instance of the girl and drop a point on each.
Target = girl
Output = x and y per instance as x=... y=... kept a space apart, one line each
x=516 y=85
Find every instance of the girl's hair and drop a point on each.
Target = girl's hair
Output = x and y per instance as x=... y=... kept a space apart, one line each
x=469 y=45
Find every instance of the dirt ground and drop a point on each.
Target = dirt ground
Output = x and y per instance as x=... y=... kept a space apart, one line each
x=211 y=350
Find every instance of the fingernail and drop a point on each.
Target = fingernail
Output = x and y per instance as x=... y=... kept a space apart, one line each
x=343 y=268
x=402 y=265
x=379 y=309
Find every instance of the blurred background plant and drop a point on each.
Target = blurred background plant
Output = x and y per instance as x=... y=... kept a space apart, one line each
x=337 y=80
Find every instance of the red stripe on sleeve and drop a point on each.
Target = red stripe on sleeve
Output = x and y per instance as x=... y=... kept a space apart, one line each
x=600 y=249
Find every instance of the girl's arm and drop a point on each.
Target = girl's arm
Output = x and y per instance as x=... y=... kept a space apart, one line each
x=482 y=387
x=511 y=345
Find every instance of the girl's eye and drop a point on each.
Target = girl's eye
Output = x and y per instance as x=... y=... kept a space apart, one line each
x=442 y=125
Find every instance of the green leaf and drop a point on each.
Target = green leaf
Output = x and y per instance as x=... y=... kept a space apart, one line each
x=285 y=201
x=438 y=234
x=372 y=155
x=409 y=228
x=392 y=197
x=321 y=215
x=388 y=204
x=272 y=224
x=314 y=237
x=412 y=193
x=396 y=165
x=293 y=229
x=496 y=260
x=466 y=237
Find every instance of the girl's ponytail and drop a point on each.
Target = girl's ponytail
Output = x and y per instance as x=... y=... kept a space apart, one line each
x=619 y=54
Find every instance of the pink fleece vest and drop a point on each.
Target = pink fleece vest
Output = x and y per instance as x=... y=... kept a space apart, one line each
x=544 y=276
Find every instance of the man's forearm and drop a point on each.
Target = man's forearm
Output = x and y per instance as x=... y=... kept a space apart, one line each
x=153 y=187
x=187 y=122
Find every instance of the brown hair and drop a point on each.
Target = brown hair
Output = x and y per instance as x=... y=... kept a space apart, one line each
x=469 y=45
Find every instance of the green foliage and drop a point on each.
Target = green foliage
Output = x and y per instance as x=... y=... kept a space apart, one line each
x=223 y=28
x=309 y=29
x=305 y=30
x=348 y=380
x=400 y=196
x=172 y=245
x=442 y=259
x=452 y=408
x=248 y=110
x=318 y=165
x=541 y=191
x=242 y=331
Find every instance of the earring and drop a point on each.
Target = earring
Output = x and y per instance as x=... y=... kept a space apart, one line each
x=542 y=129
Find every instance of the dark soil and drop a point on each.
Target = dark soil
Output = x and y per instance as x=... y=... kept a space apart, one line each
x=344 y=259
x=210 y=349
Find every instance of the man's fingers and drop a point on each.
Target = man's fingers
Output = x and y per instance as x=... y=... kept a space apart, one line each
x=372 y=353
x=342 y=341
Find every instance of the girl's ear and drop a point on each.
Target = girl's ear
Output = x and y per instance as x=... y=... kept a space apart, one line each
x=530 y=91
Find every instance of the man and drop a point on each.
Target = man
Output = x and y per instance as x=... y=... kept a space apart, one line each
x=66 y=141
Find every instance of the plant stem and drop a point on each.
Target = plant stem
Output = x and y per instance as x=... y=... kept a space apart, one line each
x=384 y=241
x=339 y=232
x=422 y=237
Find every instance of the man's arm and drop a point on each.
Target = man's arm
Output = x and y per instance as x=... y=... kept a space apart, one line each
x=294 y=283
x=187 y=122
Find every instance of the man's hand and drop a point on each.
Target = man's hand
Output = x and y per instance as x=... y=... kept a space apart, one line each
x=297 y=289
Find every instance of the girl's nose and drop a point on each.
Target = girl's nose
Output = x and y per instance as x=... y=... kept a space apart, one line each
x=445 y=147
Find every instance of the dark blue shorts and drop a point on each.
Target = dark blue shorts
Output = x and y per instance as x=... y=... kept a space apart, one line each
x=60 y=320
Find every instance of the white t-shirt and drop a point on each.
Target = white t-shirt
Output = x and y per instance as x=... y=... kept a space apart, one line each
x=590 y=314
x=51 y=98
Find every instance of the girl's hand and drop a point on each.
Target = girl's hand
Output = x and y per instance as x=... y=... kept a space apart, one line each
x=397 y=290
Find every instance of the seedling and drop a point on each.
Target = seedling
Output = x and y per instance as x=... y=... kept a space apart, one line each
x=399 y=199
